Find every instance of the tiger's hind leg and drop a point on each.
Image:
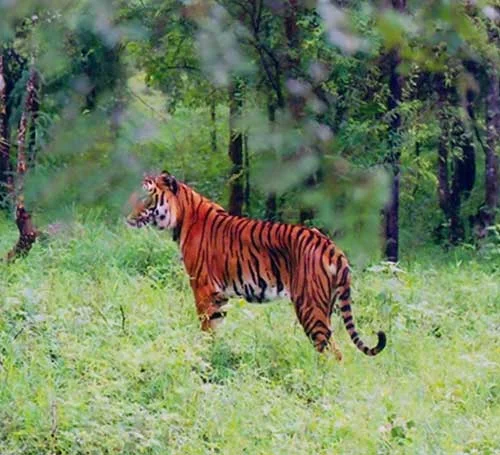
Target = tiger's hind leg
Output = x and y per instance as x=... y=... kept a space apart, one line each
x=315 y=319
x=334 y=347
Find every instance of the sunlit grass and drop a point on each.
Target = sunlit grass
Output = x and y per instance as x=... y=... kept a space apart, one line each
x=100 y=352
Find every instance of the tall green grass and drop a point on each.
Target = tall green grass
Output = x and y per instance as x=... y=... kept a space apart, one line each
x=100 y=353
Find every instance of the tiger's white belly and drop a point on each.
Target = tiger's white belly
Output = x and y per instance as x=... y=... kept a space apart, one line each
x=254 y=294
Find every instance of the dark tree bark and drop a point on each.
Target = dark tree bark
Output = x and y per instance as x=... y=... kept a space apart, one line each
x=391 y=209
x=271 y=213
x=463 y=178
x=449 y=200
x=271 y=201
x=4 y=134
x=247 y=174
x=31 y=147
x=27 y=231
x=454 y=135
x=213 y=124
x=464 y=175
x=30 y=104
x=236 y=196
x=27 y=234
x=488 y=213
x=449 y=197
x=391 y=216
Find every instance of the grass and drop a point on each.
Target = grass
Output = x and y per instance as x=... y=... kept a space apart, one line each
x=100 y=353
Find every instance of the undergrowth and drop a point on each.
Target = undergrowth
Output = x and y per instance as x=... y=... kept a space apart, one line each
x=100 y=353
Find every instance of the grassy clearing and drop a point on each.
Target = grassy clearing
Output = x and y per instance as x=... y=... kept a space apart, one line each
x=100 y=353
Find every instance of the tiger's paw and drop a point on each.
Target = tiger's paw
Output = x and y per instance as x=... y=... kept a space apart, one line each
x=335 y=350
x=216 y=322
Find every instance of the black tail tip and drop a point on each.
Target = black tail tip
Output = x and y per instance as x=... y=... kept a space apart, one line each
x=382 y=341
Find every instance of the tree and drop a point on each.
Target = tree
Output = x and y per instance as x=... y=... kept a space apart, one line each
x=271 y=209
x=391 y=210
x=27 y=231
x=4 y=136
x=213 y=123
x=487 y=213
x=236 y=195
x=453 y=138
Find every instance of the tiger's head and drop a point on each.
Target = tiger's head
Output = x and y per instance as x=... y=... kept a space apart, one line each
x=160 y=207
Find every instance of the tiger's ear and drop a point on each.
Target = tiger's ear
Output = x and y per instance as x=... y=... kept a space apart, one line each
x=170 y=182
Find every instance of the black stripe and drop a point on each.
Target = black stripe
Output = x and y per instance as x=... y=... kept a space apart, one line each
x=345 y=308
x=241 y=230
x=343 y=280
x=275 y=269
x=203 y=234
x=263 y=286
x=239 y=271
x=215 y=226
x=236 y=289
x=346 y=295
x=339 y=263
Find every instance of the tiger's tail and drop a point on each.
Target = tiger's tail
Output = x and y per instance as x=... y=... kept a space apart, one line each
x=347 y=316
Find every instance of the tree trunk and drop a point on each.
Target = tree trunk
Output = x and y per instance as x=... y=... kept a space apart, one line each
x=213 y=124
x=449 y=199
x=27 y=234
x=271 y=201
x=391 y=217
x=464 y=174
x=247 y=174
x=23 y=131
x=453 y=135
x=491 y=159
x=236 y=196
x=4 y=134
x=446 y=196
x=27 y=231
x=391 y=210
x=271 y=207
x=463 y=178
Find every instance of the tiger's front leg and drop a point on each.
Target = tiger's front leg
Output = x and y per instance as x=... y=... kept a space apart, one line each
x=209 y=306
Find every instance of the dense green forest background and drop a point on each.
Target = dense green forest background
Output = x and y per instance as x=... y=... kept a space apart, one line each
x=373 y=121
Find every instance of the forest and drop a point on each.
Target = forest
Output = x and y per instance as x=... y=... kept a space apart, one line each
x=375 y=122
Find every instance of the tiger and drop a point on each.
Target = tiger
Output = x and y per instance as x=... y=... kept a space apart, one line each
x=234 y=256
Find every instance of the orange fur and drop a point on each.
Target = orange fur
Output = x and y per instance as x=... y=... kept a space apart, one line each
x=227 y=255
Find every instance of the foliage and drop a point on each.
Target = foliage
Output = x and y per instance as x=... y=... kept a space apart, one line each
x=322 y=67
